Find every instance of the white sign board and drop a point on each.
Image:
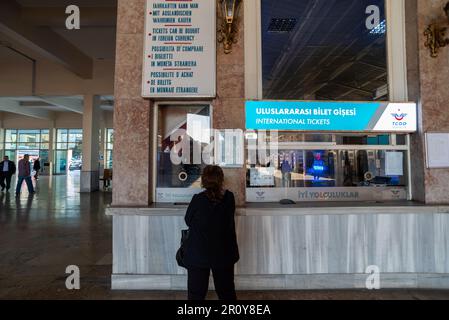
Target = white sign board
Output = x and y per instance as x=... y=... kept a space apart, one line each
x=332 y=194
x=394 y=163
x=261 y=177
x=437 y=154
x=176 y=195
x=180 y=54
x=398 y=117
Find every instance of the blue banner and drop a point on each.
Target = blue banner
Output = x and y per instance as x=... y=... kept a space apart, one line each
x=329 y=116
x=309 y=116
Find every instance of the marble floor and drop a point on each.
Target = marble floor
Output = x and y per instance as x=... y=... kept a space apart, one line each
x=41 y=235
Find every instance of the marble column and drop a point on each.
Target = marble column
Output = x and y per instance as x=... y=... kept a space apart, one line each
x=132 y=114
x=89 y=181
x=434 y=99
x=229 y=106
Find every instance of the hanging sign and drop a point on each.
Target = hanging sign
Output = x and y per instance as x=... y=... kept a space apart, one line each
x=331 y=116
x=179 y=57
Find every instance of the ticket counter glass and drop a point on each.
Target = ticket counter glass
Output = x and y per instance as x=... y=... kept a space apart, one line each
x=327 y=167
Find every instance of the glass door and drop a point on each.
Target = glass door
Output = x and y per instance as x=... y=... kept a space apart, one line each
x=61 y=166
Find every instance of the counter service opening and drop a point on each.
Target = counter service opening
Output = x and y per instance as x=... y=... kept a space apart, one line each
x=328 y=151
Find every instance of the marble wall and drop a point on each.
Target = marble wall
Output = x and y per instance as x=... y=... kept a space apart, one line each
x=434 y=94
x=229 y=106
x=277 y=244
x=133 y=149
x=133 y=118
x=132 y=113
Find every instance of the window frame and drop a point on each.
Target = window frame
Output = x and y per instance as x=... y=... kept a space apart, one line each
x=396 y=50
x=396 y=58
x=155 y=114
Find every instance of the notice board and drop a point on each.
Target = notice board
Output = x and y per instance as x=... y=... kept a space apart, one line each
x=437 y=150
x=179 y=49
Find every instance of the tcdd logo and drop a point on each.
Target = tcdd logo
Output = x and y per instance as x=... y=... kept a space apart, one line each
x=399 y=117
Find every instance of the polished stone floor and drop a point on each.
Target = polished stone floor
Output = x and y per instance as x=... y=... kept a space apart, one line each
x=41 y=235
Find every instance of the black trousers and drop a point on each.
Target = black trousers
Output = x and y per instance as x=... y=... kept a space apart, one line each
x=6 y=177
x=198 y=283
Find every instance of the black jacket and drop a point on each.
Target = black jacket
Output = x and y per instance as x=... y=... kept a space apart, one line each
x=212 y=238
x=36 y=165
x=11 y=167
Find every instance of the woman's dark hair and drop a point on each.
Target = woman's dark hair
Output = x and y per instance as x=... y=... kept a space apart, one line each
x=212 y=180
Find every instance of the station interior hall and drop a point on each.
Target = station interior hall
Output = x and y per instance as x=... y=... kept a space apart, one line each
x=66 y=92
x=56 y=104
x=57 y=88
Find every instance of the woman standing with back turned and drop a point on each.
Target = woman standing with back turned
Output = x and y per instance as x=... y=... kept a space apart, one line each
x=212 y=242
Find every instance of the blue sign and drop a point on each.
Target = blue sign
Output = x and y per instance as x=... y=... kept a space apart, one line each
x=329 y=116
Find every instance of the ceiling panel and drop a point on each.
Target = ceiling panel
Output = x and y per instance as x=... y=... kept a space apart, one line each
x=65 y=3
x=330 y=43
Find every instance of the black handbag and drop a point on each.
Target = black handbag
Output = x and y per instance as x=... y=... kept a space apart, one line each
x=180 y=252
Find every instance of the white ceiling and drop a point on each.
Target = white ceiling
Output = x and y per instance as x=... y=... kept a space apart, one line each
x=87 y=39
x=65 y=3
x=96 y=40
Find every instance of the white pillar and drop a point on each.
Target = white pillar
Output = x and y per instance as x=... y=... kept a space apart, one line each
x=51 y=145
x=2 y=136
x=253 y=49
x=91 y=117
x=396 y=45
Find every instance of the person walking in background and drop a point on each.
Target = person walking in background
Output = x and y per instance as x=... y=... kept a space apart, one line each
x=286 y=170
x=24 y=174
x=36 y=168
x=7 y=170
x=212 y=241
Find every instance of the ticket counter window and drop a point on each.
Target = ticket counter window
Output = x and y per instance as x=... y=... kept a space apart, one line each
x=183 y=132
x=370 y=167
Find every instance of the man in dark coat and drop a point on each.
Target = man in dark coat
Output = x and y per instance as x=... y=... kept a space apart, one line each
x=7 y=170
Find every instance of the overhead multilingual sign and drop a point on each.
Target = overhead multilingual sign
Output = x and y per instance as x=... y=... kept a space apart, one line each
x=180 y=54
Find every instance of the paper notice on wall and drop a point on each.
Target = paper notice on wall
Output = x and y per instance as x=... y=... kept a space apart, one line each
x=262 y=177
x=437 y=150
x=394 y=164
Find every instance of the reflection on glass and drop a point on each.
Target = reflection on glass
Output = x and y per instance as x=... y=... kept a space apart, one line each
x=109 y=147
x=296 y=166
x=43 y=155
x=61 y=135
x=29 y=136
x=11 y=154
x=191 y=123
x=61 y=146
x=324 y=50
x=45 y=136
x=25 y=146
x=109 y=159
x=11 y=135
x=61 y=162
x=69 y=150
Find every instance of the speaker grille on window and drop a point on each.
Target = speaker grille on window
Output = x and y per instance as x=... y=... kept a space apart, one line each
x=281 y=25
